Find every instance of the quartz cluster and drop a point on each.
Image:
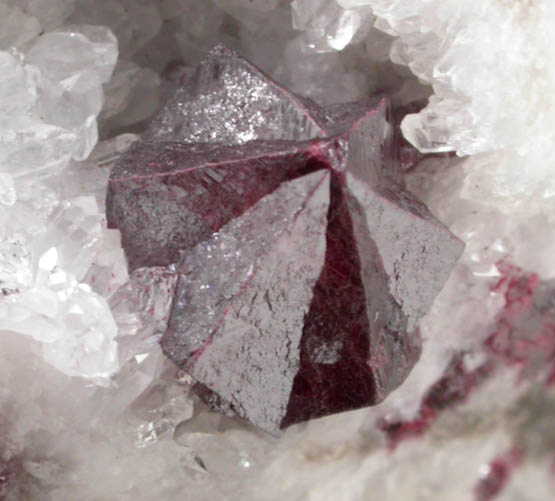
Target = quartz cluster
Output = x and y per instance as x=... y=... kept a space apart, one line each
x=304 y=265
x=52 y=232
x=463 y=114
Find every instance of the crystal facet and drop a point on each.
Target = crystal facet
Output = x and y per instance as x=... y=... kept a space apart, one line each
x=304 y=266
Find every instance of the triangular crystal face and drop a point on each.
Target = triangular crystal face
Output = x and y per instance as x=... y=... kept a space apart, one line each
x=237 y=310
x=304 y=265
x=172 y=195
x=408 y=240
x=334 y=374
x=231 y=101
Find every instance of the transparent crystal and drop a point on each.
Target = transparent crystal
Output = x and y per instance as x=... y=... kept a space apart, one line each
x=327 y=26
x=50 y=15
x=141 y=309
x=18 y=27
x=83 y=48
x=15 y=264
x=134 y=22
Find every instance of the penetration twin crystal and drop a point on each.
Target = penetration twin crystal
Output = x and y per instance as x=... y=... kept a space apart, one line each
x=303 y=265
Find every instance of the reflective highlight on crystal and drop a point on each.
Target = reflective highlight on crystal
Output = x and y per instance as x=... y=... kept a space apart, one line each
x=304 y=266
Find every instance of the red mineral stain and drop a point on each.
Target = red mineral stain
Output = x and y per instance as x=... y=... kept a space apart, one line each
x=497 y=474
x=524 y=334
x=452 y=389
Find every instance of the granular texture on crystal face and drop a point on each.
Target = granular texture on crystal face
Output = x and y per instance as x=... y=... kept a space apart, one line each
x=172 y=195
x=230 y=101
x=303 y=264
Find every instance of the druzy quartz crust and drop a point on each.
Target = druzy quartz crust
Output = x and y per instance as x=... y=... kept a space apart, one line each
x=304 y=266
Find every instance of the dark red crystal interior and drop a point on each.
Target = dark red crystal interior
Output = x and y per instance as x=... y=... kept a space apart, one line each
x=336 y=321
x=196 y=201
x=204 y=162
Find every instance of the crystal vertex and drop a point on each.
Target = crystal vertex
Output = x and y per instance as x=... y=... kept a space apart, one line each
x=304 y=265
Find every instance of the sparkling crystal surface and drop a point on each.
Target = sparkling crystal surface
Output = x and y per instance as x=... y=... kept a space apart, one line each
x=304 y=265
x=230 y=101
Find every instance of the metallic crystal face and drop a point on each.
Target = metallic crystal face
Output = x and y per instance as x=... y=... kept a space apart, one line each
x=169 y=196
x=304 y=266
x=229 y=101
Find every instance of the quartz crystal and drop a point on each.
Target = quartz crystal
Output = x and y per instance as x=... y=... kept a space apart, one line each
x=51 y=230
x=304 y=266
x=327 y=26
x=134 y=22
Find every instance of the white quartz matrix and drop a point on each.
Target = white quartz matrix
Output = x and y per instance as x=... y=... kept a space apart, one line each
x=89 y=408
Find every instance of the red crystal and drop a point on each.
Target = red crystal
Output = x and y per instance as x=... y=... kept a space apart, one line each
x=304 y=265
x=524 y=333
x=451 y=390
